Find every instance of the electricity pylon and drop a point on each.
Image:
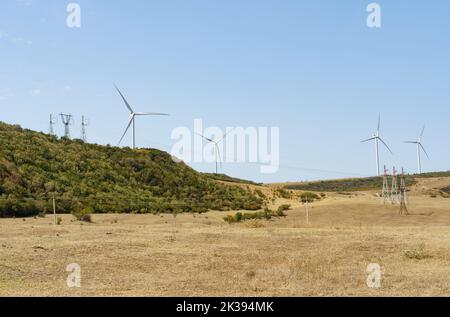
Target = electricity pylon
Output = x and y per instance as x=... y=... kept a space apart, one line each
x=395 y=199
x=52 y=122
x=84 y=124
x=67 y=120
x=385 y=197
x=403 y=198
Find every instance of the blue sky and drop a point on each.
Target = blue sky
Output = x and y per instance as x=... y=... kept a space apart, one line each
x=312 y=68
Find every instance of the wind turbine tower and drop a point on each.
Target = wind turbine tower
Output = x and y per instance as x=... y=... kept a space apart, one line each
x=133 y=116
x=216 y=148
x=420 y=148
x=84 y=124
x=52 y=122
x=67 y=120
x=377 y=138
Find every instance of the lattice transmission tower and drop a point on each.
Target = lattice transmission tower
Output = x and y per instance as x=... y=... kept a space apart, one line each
x=403 y=197
x=52 y=122
x=84 y=123
x=67 y=120
x=385 y=193
x=395 y=198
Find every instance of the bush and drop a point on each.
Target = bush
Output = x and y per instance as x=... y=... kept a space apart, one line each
x=18 y=208
x=281 y=210
x=309 y=197
x=266 y=214
x=260 y=194
x=284 y=208
x=283 y=193
x=84 y=214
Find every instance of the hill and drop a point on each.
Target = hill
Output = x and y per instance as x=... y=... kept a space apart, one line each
x=229 y=179
x=35 y=166
x=339 y=185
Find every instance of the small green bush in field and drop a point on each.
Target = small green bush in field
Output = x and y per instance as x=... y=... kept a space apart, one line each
x=309 y=197
x=283 y=208
x=84 y=214
x=266 y=214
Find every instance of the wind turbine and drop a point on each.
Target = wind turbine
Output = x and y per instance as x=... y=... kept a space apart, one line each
x=216 y=147
x=419 y=148
x=133 y=118
x=377 y=138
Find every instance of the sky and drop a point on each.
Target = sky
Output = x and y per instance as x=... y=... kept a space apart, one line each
x=312 y=68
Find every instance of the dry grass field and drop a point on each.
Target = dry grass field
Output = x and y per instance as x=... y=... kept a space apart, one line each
x=201 y=255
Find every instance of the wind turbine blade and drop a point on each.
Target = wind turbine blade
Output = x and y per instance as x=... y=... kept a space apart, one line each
x=226 y=134
x=421 y=134
x=379 y=123
x=385 y=145
x=150 y=114
x=204 y=137
x=411 y=142
x=126 y=130
x=368 y=140
x=124 y=100
x=420 y=144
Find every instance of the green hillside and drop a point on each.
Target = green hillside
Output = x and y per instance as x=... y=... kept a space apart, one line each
x=226 y=178
x=35 y=166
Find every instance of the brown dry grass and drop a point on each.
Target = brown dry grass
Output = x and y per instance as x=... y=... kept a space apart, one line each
x=190 y=255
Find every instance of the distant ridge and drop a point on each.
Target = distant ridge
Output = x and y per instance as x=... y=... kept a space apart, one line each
x=357 y=184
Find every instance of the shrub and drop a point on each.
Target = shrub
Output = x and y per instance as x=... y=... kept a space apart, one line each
x=260 y=193
x=84 y=214
x=283 y=193
x=285 y=207
x=239 y=217
x=309 y=197
x=18 y=208
x=417 y=253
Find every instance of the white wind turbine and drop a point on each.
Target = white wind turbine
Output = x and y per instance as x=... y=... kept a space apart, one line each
x=377 y=138
x=419 y=148
x=216 y=147
x=133 y=118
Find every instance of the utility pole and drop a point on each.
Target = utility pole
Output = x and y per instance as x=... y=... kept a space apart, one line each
x=307 y=212
x=305 y=202
x=385 y=191
x=403 y=199
x=55 y=221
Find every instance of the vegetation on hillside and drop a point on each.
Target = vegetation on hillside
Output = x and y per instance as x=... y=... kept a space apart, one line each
x=432 y=174
x=351 y=184
x=226 y=178
x=34 y=167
